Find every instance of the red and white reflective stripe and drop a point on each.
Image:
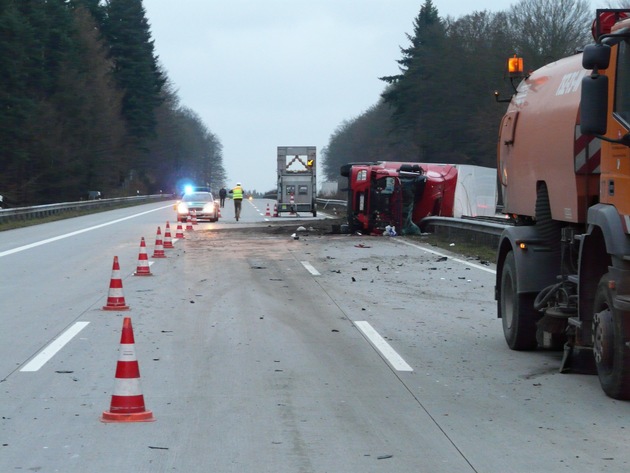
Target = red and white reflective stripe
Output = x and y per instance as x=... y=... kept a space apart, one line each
x=124 y=387
x=127 y=405
x=587 y=152
x=127 y=352
x=115 y=293
x=143 y=264
x=168 y=240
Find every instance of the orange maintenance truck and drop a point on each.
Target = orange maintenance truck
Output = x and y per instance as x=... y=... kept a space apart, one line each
x=563 y=268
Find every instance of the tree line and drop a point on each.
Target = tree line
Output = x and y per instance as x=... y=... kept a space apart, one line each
x=85 y=105
x=441 y=108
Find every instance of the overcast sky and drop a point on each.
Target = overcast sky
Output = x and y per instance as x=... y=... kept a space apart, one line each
x=263 y=74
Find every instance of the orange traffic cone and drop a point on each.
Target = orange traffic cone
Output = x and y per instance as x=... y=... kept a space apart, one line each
x=275 y=210
x=194 y=217
x=143 y=261
x=267 y=213
x=127 y=403
x=168 y=240
x=115 y=297
x=158 y=252
x=179 y=234
x=189 y=227
x=219 y=212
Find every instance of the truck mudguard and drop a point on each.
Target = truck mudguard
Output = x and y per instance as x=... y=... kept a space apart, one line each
x=535 y=266
x=607 y=218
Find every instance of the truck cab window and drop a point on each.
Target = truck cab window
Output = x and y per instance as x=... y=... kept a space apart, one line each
x=385 y=185
x=622 y=92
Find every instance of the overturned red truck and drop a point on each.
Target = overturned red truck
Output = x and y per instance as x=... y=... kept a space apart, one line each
x=401 y=194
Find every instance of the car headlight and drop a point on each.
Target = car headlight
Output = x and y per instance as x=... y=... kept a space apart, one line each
x=182 y=208
x=208 y=208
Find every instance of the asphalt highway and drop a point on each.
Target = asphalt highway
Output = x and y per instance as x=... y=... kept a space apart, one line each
x=262 y=352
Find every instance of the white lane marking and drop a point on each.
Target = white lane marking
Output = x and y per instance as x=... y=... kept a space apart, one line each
x=310 y=268
x=78 y=232
x=51 y=350
x=385 y=349
x=464 y=262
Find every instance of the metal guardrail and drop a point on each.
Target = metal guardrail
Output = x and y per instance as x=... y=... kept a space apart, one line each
x=486 y=230
x=483 y=230
x=467 y=224
x=331 y=202
x=40 y=211
x=470 y=228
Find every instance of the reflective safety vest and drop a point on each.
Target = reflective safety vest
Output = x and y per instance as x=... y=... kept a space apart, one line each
x=237 y=193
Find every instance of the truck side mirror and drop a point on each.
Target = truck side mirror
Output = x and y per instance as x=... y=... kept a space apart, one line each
x=596 y=56
x=594 y=105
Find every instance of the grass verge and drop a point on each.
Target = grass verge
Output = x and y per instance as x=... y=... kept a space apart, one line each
x=481 y=252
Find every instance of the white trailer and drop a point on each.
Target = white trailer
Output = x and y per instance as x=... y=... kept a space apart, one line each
x=297 y=179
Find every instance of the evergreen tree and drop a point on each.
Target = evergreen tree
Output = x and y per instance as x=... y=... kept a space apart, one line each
x=92 y=105
x=37 y=41
x=16 y=103
x=95 y=8
x=135 y=65
x=79 y=90
x=412 y=94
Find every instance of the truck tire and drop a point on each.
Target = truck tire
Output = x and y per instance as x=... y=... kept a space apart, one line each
x=516 y=310
x=611 y=332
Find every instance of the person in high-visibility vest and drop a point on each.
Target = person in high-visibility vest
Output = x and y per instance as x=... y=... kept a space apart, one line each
x=237 y=196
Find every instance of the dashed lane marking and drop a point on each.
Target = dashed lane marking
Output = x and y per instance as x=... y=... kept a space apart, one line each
x=384 y=348
x=53 y=348
x=310 y=268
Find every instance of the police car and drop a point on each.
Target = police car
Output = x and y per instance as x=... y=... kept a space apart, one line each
x=201 y=202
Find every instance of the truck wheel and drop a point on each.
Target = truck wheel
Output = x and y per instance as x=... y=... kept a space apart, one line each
x=611 y=332
x=517 y=311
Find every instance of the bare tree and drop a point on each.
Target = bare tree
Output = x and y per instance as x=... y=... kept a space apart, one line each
x=547 y=30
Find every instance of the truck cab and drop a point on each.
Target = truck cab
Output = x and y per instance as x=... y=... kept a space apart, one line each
x=397 y=194
x=374 y=199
